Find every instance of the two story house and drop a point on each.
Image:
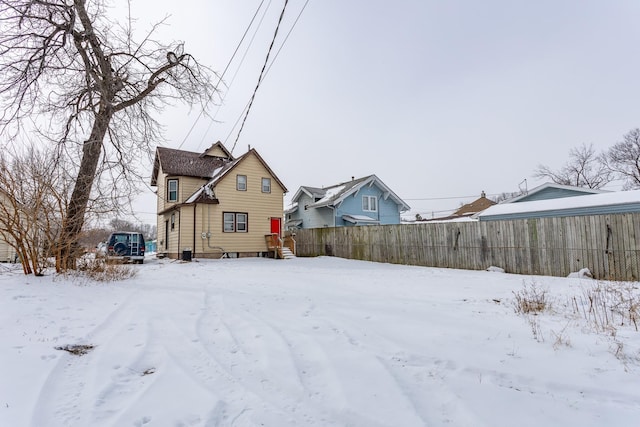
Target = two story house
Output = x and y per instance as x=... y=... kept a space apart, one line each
x=362 y=201
x=212 y=204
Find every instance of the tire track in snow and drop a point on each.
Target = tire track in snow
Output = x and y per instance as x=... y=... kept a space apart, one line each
x=62 y=399
x=256 y=355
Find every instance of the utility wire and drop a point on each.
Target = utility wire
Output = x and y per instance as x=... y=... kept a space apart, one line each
x=266 y=61
x=286 y=37
x=215 y=89
x=233 y=79
x=269 y=67
x=453 y=197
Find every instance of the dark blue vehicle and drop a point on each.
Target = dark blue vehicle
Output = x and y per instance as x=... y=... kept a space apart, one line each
x=126 y=246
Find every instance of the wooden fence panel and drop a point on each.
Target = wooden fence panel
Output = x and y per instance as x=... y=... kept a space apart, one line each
x=606 y=244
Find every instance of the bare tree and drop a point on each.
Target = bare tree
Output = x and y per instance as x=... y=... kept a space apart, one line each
x=79 y=79
x=585 y=168
x=32 y=204
x=623 y=159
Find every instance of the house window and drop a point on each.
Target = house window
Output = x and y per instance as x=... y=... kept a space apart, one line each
x=172 y=190
x=369 y=204
x=235 y=222
x=266 y=185
x=173 y=221
x=241 y=182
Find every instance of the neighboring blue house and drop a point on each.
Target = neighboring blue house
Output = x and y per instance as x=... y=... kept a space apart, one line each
x=362 y=201
x=553 y=191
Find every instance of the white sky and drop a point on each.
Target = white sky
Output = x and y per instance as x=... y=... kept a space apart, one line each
x=438 y=98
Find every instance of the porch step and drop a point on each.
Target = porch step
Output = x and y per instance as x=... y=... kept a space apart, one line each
x=286 y=253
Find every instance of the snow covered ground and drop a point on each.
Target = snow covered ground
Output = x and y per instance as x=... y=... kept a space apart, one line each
x=307 y=342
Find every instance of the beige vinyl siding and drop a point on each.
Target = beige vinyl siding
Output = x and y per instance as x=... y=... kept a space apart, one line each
x=260 y=207
x=199 y=227
x=216 y=151
x=161 y=192
x=174 y=235
x=186 y=187
x=6 y=251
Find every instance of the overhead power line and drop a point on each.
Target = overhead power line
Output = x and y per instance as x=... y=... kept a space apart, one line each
x=295 y=22
x=215 y=89
x=233 y=79
x=266 y=61
x=451 y=197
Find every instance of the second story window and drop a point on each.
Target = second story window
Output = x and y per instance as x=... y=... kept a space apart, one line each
x=241 y=182
x=369 y=204
x=172 y=190
x=266 y=185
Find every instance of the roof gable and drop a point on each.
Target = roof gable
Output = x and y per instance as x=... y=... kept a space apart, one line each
x=335 y=194
x=217 y=149
x=552 y=190
x=474 y=207
x=232 y=165
x=207 y=192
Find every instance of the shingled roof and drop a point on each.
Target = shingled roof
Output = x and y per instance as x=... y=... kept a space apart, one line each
x=186 y=163
x=335 y=194
x=474 y=207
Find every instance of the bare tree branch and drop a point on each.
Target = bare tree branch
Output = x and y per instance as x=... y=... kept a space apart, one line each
x=623 y=159
x=79 y=79
x=585 y=168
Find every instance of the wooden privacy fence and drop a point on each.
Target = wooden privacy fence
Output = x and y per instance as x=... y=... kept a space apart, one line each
x=606 y=244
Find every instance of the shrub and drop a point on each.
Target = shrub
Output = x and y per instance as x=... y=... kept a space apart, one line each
x=608 y=305
x=102 y=271
x=532 y=299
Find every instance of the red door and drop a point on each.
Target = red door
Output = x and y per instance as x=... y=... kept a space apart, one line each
x=275 y=226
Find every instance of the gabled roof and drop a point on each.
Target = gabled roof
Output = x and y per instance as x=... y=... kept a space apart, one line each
x=207 y=191
x=216 y=149
x=552 y=185
x=466 y=211
x=335 y=194
x=185 y=163
x=474 y=207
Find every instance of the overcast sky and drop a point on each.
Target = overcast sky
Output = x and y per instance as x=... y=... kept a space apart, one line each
x=438 y=98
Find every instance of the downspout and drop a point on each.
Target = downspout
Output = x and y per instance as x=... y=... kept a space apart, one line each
x=333 y=215
x=179 y=232
x=195 y=206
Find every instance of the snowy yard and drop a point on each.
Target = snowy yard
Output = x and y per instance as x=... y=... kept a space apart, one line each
x=307 y=342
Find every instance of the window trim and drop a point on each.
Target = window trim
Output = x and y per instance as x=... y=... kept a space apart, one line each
x=238 y=181
x=368 y=201
x=235 y=222
x=169 y=191
x=262 y=186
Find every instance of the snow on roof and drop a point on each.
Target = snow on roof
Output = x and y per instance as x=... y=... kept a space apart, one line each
x=587 y=201
x=329 y=194
x=358 y=218
x=291 y=208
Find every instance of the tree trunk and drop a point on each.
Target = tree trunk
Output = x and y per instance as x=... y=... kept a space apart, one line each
x=68 y=250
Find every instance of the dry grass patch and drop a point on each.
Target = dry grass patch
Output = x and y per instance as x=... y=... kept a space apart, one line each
x=100 y=270
x=532 y=299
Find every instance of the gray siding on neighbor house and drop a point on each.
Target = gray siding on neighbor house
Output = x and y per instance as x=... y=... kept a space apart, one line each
x=551 y=193
x=583 y=211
